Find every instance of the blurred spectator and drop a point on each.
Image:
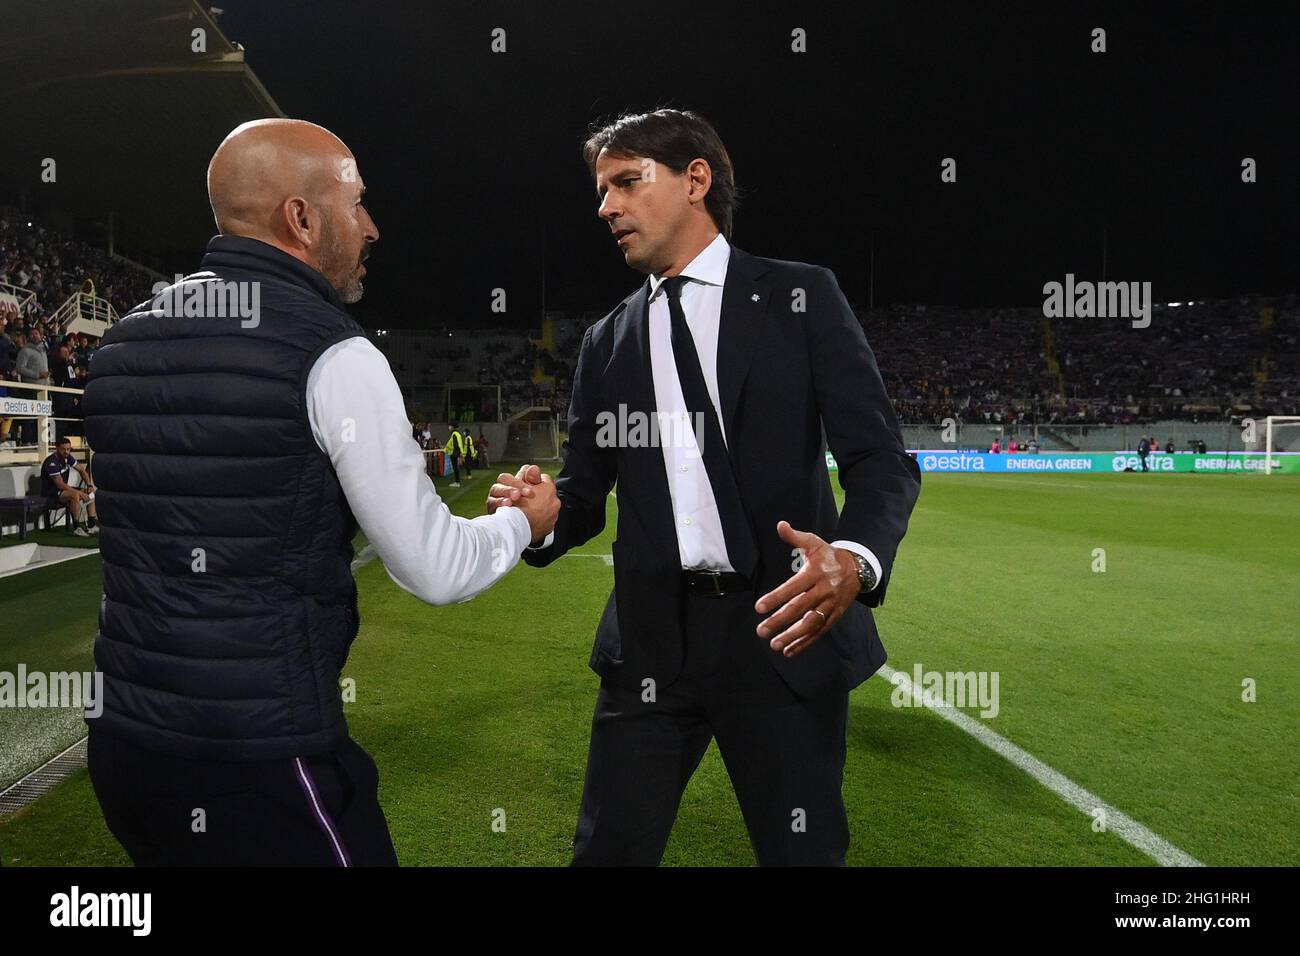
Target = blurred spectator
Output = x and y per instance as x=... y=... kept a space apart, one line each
x=8 y=351
x=33 y=368
x=63 y=373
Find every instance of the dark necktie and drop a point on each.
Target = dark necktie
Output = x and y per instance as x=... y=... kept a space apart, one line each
x=735 y=528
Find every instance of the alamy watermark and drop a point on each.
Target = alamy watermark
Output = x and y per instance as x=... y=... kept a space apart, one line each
x=947 y=689
x=55 y=689
x=209 y=298
x=133 y=911
x=1087 y=300
x=637 y=429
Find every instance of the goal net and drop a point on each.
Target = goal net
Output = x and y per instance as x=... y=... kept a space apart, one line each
x=1281 y=434
x=532 y=435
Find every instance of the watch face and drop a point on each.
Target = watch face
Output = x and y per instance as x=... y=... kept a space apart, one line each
x=866 y=576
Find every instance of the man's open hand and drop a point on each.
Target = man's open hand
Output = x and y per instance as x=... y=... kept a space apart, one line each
x=814 y=597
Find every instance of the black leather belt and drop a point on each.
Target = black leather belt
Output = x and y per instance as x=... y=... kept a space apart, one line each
x=714 y=583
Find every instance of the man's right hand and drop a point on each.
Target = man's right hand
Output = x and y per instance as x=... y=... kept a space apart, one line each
x=533 y=492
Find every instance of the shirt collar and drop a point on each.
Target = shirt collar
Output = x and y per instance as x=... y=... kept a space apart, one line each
x=253 y=255
x=709 y=267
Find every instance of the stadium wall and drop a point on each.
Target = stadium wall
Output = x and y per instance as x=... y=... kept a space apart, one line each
x=1097 y=463
x=1222 y=435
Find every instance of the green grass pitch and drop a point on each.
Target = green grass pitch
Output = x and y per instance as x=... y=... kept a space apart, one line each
x=1128 y=681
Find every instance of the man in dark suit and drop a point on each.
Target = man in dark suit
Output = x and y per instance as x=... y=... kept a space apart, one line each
x=708 y=634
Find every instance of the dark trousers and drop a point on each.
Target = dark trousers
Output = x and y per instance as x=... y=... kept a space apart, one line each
x=455 y=468
x=299 y=811
x=785 y=755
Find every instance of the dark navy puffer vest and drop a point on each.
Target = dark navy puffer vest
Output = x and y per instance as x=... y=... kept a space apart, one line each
x=229 y=605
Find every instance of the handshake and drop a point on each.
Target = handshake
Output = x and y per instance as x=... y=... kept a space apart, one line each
x=532 y=492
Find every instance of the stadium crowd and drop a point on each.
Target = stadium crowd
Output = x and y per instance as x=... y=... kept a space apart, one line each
x=1195 y=362
x=37 y=261
x=53 y=267
x=1201 y=362
x=1198 y=361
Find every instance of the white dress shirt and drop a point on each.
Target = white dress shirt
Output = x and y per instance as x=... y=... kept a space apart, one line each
x=695 y=511
x=700 y=541
x=359 y=420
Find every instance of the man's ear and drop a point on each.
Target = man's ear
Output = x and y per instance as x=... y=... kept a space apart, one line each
x=300 y=221
x=699 y=175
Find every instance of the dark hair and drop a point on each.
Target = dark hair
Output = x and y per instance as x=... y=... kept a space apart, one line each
x=674 y=138
x=65 y=440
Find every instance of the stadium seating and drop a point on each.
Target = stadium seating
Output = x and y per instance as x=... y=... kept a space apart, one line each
x=1198 y=362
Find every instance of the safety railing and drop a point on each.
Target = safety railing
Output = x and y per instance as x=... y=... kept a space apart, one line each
x=23 y=402
x=84 y=313
x=21 y=301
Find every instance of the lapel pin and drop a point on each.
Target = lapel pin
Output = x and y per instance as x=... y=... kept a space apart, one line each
x=754 y=297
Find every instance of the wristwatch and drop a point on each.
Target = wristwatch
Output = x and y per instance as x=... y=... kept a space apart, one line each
x=866 y=574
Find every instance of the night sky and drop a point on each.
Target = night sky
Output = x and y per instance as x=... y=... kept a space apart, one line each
x=474 y=175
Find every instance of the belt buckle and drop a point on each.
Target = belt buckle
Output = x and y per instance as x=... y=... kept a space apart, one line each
x=713 y=576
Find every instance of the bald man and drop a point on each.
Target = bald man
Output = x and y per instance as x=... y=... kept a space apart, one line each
x=237 y=453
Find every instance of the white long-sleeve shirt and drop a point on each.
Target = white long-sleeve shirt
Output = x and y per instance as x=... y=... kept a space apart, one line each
x=359 y=420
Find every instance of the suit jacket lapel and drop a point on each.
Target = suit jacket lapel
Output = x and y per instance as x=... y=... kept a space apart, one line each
x=632 y=352
x=744 y=299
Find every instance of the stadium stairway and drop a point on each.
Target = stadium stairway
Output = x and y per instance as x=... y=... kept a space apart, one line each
x=1059 y=441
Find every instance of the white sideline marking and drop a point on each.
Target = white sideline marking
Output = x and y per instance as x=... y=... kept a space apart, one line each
x=608 y=558
x=1122 y=825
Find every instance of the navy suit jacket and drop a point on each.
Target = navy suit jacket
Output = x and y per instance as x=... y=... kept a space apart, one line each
x=795 y=373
